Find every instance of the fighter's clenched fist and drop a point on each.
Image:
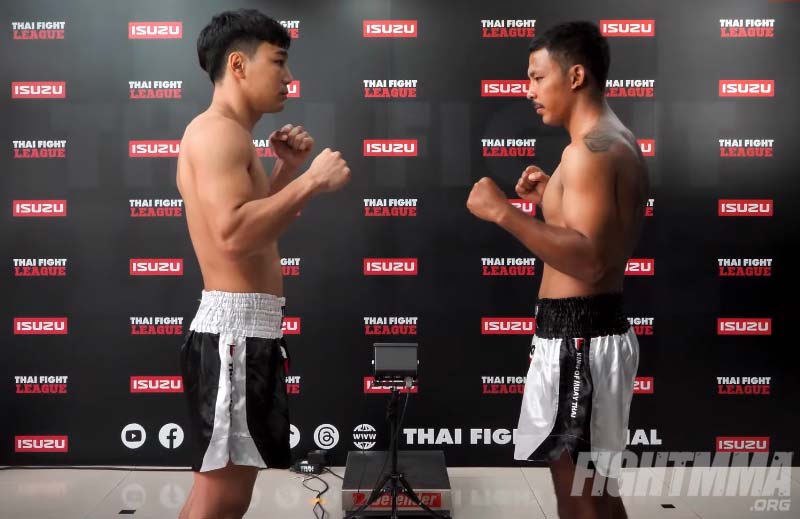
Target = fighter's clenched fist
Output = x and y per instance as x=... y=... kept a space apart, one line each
x=329 y=170
x=292 y=144
x=531 y=184
x=486 y=200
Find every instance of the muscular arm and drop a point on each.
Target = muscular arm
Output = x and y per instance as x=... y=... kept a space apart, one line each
x=281 y=176
x=583 y=248
x=239 y=225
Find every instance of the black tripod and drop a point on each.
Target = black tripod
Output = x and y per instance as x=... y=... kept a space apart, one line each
x=394 y=482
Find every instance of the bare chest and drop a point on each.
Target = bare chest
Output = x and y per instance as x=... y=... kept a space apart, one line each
x=552 y=199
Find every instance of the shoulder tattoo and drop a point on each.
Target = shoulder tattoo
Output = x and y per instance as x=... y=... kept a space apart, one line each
x=598 y=140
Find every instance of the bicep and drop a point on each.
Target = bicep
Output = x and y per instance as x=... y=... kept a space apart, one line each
x=222 y=181
x=589 y=198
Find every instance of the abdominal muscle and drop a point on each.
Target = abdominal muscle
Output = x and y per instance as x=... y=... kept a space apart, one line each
x=258 y=271
x=557 y=285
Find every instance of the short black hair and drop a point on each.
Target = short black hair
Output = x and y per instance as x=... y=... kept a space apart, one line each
x=577 y=43
x=243 y=30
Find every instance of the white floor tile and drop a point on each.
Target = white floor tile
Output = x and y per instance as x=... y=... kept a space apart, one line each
x=687 y=485
x=541 y=484
x=153 y=495
x=657 y=506
x=478 y=493
x=499 y=497
x=54 y=493
x=280 y=494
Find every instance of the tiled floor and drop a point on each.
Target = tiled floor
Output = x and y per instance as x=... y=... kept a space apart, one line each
x=478 y=493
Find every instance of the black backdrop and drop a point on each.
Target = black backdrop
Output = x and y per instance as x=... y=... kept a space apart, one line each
x=688 y=233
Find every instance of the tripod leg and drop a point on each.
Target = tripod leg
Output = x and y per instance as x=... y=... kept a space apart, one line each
x=377 y=492
x=394 y=498
x=416 y=500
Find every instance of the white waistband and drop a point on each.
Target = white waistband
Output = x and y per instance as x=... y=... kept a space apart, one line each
x=240 y=314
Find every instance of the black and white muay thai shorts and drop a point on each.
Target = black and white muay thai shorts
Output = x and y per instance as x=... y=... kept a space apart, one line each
x=234 y=363
x=579 y=387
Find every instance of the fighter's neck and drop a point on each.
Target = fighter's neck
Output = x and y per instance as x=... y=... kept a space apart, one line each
x=585 y=115
x=234 y=106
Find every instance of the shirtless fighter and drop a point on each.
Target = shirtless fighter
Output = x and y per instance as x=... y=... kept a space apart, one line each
x=233 y=357
x=584 y=354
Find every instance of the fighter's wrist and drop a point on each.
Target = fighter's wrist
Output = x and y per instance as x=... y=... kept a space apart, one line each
x=313 y=182
x=288 y=166
x=502 y=213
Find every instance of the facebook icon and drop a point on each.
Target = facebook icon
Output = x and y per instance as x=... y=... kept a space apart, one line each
x=171 y=436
